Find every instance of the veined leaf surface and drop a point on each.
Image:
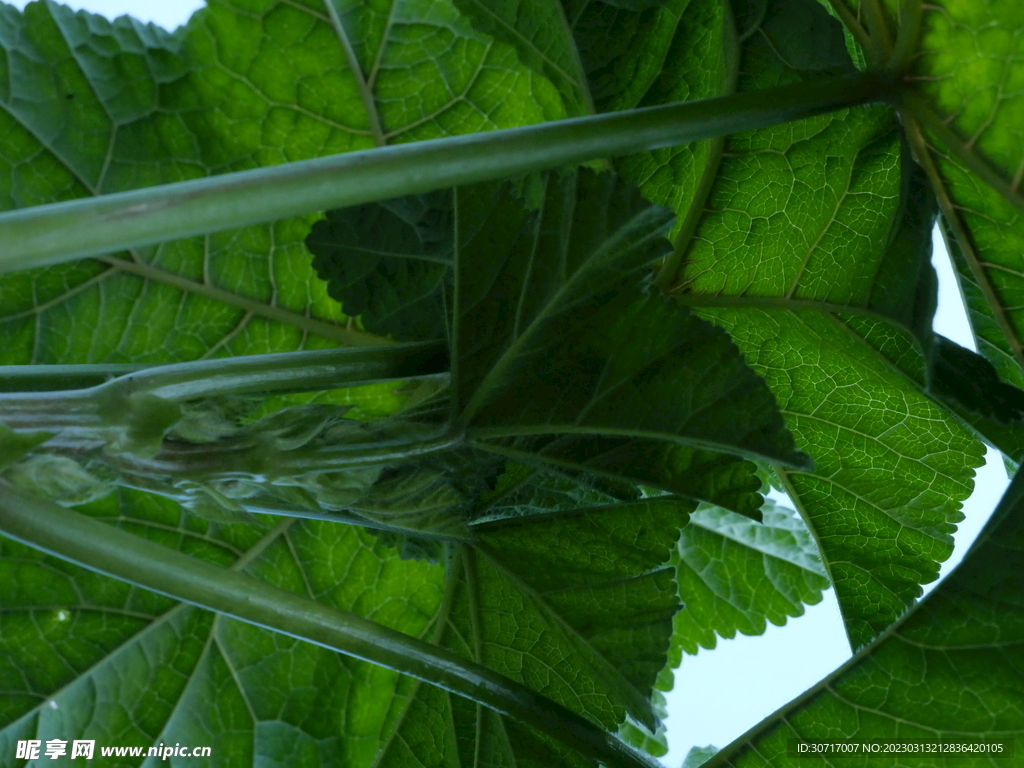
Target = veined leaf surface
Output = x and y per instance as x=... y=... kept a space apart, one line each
x=237 y=88
x=734 y=575
x=949 y=671
x=100 y=107
x=965 y=110
x=548 y=610
x=558 y=356
x=587 y=585
x=786 y=238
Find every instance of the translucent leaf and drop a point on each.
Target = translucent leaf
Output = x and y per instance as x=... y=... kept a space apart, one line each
x=948 y=671
x=735 y=575
x=810 y=244
x=966 y=111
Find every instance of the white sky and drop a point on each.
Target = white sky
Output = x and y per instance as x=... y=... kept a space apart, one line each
x=722 y=693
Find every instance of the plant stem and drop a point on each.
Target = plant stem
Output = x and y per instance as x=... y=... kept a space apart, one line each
x=303 y=371
x=907 y=37
x=108 y=550
x=44 y=378
x=258 y=459
x=49 y=234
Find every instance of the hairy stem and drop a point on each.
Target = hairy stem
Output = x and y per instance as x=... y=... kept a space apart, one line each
x=107 y=550
x=59 y=232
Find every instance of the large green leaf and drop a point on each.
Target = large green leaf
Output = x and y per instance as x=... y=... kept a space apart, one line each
x=550 y=610
x=948 y=671
x=810 y=244
x=240 y=87
x=735 y=575
x=558 y=565
x=965 y=112
x=126 y=666
x=89 y=107
x=539 y=30
x=587 y=585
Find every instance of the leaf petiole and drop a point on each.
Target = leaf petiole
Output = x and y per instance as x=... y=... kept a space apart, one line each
x=59 y=232
x=108 y=550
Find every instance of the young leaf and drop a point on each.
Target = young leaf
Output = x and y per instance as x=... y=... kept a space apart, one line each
x=947 y=671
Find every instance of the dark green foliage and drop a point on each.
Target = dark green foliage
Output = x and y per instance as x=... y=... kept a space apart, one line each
x=385 y=262
x=621 y=352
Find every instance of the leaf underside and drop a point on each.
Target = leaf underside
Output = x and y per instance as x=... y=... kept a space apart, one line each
x=808 y=242
x=845 y=351
x=950 y=672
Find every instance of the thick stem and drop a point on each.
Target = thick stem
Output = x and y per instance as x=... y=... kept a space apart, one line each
x=304 y=371
x=102 y=548
x=59 y=232
x=907 y=36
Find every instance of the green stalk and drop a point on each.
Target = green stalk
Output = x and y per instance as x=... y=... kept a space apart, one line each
x=44 y=378
x=113 y=552
x=59 y=232
x=258 y=459
x=304 y=371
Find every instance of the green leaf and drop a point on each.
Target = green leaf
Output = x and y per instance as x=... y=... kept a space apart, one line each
x=586 y=585
x=963 y=114
x=624 y=45
x=548 y=334
x=385 y=262
x=697 y=756
x=558 y=566
x=840 y=347
x=969 y=378
x=735 y=575
x=101 y=107
x=240 y=88
x=559 y=358
x=948 y=671
x=540 y=33
x=683 y=50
